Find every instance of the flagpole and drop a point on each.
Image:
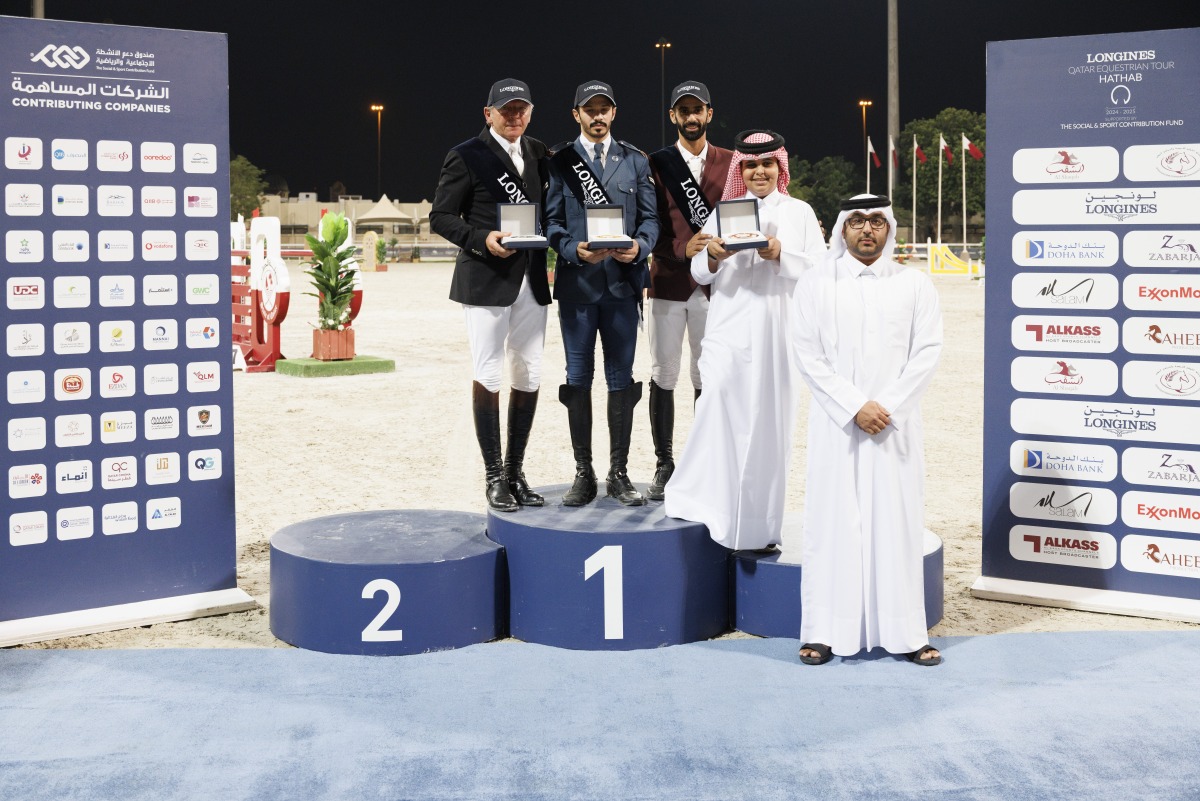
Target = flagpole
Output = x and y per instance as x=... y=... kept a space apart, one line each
x=891 y=165
x=914 y=177
x=964 y=182
x=941 y=158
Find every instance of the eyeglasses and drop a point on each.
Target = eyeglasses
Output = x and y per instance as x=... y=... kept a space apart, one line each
x=877 y=223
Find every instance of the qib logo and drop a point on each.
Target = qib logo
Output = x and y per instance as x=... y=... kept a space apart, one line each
x=62 y=56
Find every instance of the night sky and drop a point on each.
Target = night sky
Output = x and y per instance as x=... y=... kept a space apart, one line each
x=303 y=75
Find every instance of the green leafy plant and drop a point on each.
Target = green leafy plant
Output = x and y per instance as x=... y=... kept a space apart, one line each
x=332 y=271
x=380 y=251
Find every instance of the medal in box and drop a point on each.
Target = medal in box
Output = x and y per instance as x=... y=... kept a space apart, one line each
x=606 y=227
x=523 y=221
x=737 y=224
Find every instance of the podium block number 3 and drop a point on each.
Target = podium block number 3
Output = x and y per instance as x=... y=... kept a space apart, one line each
x=374 y=631
x=608 y=561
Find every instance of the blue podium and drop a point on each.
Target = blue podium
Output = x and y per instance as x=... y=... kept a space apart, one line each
x=390 y=582
x=767 y=589
x=609 y=577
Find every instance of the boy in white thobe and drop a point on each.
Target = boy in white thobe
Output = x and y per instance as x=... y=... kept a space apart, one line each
x=867 y=340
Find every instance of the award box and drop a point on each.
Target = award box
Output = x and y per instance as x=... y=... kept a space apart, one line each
x=737 y=224
x=606 y=227
x=523 y=221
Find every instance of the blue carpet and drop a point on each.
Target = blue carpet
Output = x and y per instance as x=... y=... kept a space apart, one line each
x=1021 y=716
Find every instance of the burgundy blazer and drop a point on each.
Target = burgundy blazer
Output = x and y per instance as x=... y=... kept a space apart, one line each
x=670 y=272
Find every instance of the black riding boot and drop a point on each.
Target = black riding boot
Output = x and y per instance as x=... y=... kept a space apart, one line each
x=521 y=407
x=578 y=401
x=662 y=430
x=486 y=406
x=620 y=428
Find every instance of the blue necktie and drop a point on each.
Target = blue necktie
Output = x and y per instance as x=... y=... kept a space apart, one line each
x=597 y=160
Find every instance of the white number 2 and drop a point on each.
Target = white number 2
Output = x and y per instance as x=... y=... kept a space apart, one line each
x=374 y=631
x=608 y=559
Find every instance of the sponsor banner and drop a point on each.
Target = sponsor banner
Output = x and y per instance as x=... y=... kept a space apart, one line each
x=72 y=292
x=1162 y=292
x=118 y=427
x=1175 y=380
x=1161 y=335
x=72 y=430
x=26 y=339
x=1161 y=467
x=162 y=468
x=1105 y=420
x=116 y=290
x=23 y=200
x=112 y=195
x=69 y=154
x=1163 y=162
x=73 y=476
x=1063 y=503
x=119 y=518
x=1156 y=205
x=1161 y=511
x=1065 y=290
x=24 y=247
x=1065 y=334
x=69 y=200
x=163 y=513
x=72 y=338
x=1161 y=249
x=25 y=292
x=28 y=528
x=75 y=523
x=1165 y=556
x=26 y=433
x=1049 y=165
x=114 y=200
x=161 y=423
x=1064 y=375
x=1065 y=249
x=1095 y=549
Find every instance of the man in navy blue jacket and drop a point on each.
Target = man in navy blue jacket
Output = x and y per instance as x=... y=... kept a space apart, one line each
x=599 y=290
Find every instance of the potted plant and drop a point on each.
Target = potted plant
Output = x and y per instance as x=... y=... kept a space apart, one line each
x=332 y=271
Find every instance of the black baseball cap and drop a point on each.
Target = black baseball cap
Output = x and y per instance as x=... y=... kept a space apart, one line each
x=693 y=88
x=506 y=90
x=586 y=91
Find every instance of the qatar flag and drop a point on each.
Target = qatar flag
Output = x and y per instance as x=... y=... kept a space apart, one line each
x=874 y=155
x=971 y=148
x=892 y=150
x=920 y=153
x=946 y=149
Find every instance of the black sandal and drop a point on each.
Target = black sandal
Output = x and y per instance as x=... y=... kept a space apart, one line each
x=824 y=653
x=929 y=661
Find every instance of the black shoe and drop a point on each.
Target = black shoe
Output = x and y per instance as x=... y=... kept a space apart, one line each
x=521 y=408
x=486 y=407
x=620 y=428
x=578 y=401
x=662 y=430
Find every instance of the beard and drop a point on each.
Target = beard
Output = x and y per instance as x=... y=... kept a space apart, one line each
x=693 y=134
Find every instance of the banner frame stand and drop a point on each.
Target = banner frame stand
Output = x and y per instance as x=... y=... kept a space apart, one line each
x=1064 y=596
x=124 y=616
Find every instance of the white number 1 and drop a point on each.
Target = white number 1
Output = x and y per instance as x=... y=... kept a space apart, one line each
x=374 y=631
x=608 y=559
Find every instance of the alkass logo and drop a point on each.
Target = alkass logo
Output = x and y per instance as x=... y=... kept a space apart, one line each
x=1069 y=544
x=1094 y=549
x=62 y=56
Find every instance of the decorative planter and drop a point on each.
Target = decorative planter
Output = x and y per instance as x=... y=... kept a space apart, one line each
x=331 y=346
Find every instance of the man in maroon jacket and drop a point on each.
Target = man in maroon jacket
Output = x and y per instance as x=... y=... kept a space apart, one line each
x=689 y=177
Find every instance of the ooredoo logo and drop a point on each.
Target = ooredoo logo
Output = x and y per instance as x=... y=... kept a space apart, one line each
x=158 y=157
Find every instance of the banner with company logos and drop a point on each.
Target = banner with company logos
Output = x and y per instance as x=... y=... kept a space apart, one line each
x=1091 y=495
x=118 y=449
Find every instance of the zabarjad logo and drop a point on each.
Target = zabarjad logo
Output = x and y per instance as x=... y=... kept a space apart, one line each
x=62 y=56
x=1175 y=248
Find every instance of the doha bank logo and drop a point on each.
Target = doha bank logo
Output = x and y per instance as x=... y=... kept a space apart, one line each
x=62 y=56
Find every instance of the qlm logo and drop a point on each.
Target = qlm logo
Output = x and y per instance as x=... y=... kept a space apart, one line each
x=62 y=56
